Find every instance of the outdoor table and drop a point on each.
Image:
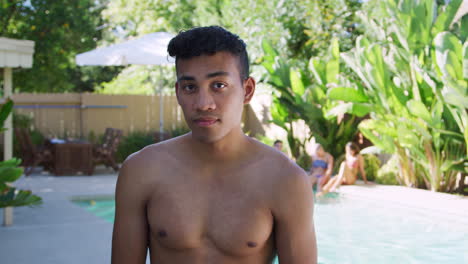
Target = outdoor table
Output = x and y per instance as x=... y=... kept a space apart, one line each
x=71 y=157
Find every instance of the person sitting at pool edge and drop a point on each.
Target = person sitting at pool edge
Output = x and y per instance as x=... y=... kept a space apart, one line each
x=213 y=195
x=349 y=168
x=321 y=167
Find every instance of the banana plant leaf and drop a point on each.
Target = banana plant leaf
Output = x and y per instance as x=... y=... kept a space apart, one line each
x=14 y=197
x=5 y=111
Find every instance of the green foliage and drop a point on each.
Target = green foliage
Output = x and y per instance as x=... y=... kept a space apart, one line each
x=60 y=31
x=10 y=172
x=371 y=166
x=93 y=138
x=26 y=122
x=139 y=79
x=286 y=106
x=15 y=198
x=136 y=18
x=411 y=81
x=388 y=173
x=313 y=24
x=296 y=98
x=179 y=131
x=304 y=161
x=5 y=111
x=135 y=141
x=300 y=29
x=10 y=196
x=265 y=140
x=132 y=143
x=23 y=121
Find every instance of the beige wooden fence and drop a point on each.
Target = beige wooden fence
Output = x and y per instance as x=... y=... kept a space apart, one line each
x=76 y=115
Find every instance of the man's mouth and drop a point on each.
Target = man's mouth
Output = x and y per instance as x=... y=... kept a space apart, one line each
x=205 y=122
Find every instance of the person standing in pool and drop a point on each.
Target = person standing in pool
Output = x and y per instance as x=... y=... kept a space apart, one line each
x=349 y=168
x=213 y=195
x=321 y=167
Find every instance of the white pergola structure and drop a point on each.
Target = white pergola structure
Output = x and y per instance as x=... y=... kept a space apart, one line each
x=13 y=54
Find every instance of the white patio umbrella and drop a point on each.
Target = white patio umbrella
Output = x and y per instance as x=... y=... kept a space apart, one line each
x=150 y=49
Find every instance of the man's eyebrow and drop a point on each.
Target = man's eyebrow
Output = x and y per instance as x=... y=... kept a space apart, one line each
x=218 y=73
x=185 y=78
x=209 y=75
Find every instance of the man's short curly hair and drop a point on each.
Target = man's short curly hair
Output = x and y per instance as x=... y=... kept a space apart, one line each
x=207 y=41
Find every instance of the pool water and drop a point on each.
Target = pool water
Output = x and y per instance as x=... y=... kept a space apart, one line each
x=354 y=230
x=102 y=207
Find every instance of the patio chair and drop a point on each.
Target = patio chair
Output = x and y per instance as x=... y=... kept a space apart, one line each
x=32 y=155
x=104 y=153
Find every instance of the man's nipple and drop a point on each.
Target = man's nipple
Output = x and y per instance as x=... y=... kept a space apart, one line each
x=251 y=244
x=162 y=233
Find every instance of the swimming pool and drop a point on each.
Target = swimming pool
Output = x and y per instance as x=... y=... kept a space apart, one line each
x=355 y=230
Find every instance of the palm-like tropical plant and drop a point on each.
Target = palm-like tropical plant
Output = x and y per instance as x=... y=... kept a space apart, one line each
x=413 y=83
x=299 y=97
x=10 y=172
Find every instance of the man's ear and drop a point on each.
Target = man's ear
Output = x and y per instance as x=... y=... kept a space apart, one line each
x=249 y=89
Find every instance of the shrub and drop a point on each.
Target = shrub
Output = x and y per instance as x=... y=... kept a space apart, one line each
x=304 y=161
x=179 y=131
x=10 y=172
x=388 y=173
x=132 y=143
x=93 y=138
x=371 y=166
x=24 y=121
x=137 y=140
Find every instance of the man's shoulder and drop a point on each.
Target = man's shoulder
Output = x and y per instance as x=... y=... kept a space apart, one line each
x=289 y=183
x=143 y=170
x=150 y=158
x=289 y=175
x=280 y=167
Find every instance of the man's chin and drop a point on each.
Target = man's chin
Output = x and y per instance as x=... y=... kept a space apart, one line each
x=207 y=138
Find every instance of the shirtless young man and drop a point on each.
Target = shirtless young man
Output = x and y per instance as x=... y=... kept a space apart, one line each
x=213 y=195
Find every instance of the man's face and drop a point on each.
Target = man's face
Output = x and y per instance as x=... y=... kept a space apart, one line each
x=212 y=95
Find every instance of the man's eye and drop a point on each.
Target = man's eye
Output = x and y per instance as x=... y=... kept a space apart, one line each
x=219 y=85
x=189 y=87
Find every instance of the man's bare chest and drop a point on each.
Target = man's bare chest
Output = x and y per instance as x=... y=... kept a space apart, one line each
x=231 y=215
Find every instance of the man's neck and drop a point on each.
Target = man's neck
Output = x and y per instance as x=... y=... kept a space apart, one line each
x=228 y=148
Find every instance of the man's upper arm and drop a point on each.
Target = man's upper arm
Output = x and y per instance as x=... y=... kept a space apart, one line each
x=294 y=223
x=130 y=235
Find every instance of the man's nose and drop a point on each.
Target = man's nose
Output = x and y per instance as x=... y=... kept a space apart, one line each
x=205 y=101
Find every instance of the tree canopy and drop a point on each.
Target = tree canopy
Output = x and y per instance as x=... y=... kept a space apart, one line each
x=59 y=31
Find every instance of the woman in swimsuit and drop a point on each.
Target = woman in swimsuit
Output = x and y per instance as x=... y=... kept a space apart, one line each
x=322 y=166
x=349 y=168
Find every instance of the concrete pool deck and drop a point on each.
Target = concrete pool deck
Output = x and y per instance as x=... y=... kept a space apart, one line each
x=61 y=232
